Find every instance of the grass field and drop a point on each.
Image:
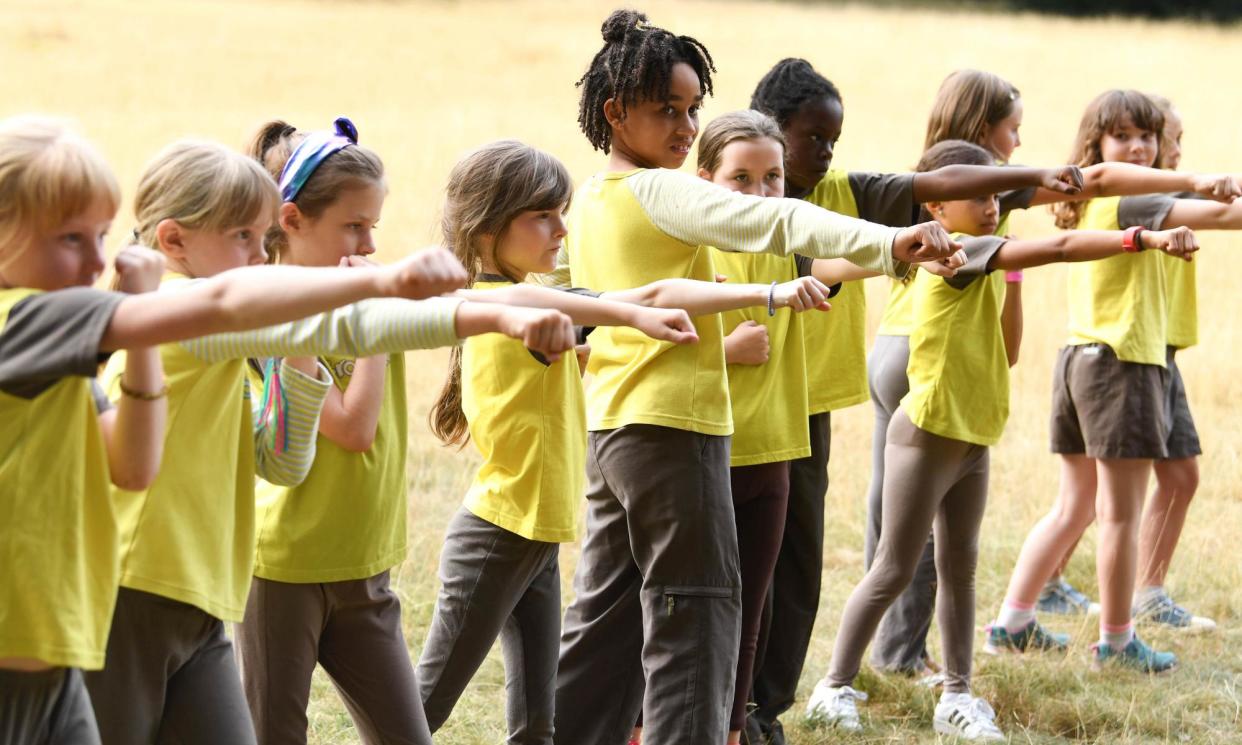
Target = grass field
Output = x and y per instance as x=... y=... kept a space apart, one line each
x=426 y=81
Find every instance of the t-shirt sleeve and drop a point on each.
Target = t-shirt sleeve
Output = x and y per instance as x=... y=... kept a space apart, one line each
x=1146 y=211
x=885 y=198
x=54 y=335
x=1016 y=199
x=979 y=252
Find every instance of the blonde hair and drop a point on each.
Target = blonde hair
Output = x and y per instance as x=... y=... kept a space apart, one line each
x=747 y=124
x=486 y=190
x=1105 y=114
x=352 y=167
x=1166 y=143
x=201 y=186
x=48 y=174
x=968 y=103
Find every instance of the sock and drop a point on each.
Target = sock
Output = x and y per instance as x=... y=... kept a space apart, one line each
x=1148 y=595
x=1015 y=616
x=1116 y=637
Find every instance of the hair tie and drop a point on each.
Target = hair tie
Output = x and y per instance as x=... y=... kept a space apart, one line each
x=311 y=152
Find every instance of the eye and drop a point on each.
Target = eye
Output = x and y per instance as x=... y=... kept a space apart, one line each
x=741 y=178
x=694 y=110
x=668 y=111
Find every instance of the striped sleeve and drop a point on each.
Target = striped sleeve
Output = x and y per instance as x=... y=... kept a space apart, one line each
x=288 y=464
x=699 y=212
x=363 y=329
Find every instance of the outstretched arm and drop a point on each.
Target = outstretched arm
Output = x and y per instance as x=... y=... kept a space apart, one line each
x=1114 y=179
x=704 y=298
x=967 y=182
x=1087 y=245
x=1198 y=214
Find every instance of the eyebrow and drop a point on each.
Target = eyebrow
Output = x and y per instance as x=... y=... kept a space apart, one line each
x=673 y=97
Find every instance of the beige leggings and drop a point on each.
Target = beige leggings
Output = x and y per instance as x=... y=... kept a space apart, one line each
x=929 y=482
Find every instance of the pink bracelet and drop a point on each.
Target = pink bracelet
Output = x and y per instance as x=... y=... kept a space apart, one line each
x=1013 y=277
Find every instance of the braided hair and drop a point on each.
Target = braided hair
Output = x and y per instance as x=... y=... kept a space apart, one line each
x=635 y=64
x=787 y=86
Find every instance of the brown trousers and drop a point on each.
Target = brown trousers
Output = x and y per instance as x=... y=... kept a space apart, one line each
x=49 y=707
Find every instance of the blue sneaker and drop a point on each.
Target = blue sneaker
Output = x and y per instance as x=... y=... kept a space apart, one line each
x=1032 y=638
x=1063 y=599
x=1136 y=655
x=1159 y=608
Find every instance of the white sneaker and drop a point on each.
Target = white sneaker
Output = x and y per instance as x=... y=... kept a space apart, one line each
x=967 y=717
x=835 y=706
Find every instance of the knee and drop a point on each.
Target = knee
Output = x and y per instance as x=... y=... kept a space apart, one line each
x=1177 y=481
x=888 y=577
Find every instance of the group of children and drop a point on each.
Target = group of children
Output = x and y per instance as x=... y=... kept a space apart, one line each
x=242 y=458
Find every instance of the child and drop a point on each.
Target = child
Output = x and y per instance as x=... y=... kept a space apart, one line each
x=1109 y=421
x=188 y=539
x=657 y=585
x=498 y=570
x=938 y=442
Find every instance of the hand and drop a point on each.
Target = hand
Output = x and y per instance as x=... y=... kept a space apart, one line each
x=665 y=324
x=548 y=332
x=1180 y=242
x=721 y=278
x=138 y=269
x=1221 y=187
x=926 y=241
x=427 y=273
x=801 y=294
x=1063 y=179
x=583 y=353
x=945 y=267
x=747 y=344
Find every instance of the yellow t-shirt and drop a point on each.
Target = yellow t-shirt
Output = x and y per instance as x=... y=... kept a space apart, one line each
x=1121 y=301
x=958 y=369
x=1183 y=301
x=346 y=520
x=770 y=400
x=528 y=420
x=58 y=535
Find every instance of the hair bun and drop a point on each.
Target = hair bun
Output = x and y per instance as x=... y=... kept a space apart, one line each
x=620 y=23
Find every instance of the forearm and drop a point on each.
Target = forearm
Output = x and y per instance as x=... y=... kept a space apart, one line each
x=832 y=271
x=967 y=182
x=695 y=297
x=1125 y=179
x=1068 y=246
x=285 y=426
x=583 y=310
x=1011 y=321
x=351 y=417
x=136 y=441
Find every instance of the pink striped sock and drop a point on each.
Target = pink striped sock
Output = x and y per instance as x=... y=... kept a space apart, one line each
x=1015 y=615
x=1116 y=637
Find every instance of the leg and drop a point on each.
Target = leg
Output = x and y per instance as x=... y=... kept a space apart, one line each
x=599 y=682
x=277 y=650
x=794 y=597
x=531 y=640
x=206 y=705
x=51 y=707
x=1123 y=484
x=957 y=554
x=760 y=496
x=363 y=649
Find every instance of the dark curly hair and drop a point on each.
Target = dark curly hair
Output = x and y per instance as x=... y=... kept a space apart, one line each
x=635 y=63
x=787 y=86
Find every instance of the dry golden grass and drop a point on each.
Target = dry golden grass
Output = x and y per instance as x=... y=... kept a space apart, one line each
x=427 y=81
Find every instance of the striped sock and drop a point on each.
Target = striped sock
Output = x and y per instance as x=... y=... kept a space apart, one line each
x=1116 y=637
x=1015 y=616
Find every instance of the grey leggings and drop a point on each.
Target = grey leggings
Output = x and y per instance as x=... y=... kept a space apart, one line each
x=929 y=481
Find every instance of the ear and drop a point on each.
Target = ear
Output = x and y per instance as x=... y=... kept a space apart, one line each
x=614 y=112
x=290 y=218
x=705 y=174
x=170 y=238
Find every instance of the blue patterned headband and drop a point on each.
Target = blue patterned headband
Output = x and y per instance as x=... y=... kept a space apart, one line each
x=312 y=151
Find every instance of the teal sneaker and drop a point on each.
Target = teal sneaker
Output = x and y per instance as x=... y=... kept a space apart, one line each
x=1160 y=609
x=1062 y=599
x=1136 y=655
x=1031 y=638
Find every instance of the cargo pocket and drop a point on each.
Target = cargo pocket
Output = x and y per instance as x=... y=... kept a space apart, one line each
x=673 y=592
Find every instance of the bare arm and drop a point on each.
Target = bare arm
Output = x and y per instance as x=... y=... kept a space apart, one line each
x=134 y=431
x=350 y=417
x=704 y=298
x=1086 y=245
x=1198 y=214
x=967 y=182
x=1113 y=179
x=1011 y=321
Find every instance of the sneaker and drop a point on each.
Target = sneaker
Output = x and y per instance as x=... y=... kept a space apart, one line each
x=1033 y=637
x=1063 y=599
x=835 y=706
x=962 y=715
x=1135 y=655
x=1160 y=609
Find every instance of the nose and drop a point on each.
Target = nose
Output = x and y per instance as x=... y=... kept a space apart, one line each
x=258 y=255
x=367 y=246
x=688 y=124
x=827 y=151
x=95 y=259
x=558 y=227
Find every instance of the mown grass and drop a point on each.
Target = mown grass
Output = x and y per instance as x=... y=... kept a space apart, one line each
x=427 y=81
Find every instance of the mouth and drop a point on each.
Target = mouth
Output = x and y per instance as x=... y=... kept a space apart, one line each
x=988 y=228
x=680 y=148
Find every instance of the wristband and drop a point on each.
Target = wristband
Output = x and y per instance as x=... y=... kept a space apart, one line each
x=1132 y=239
x=144 y=395
x=772 y=299
x=1013 y=277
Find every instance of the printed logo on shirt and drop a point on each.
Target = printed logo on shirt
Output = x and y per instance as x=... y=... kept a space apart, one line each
x=344 y=368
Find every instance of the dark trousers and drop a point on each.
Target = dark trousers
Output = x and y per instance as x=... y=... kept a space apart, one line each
x=48 y=707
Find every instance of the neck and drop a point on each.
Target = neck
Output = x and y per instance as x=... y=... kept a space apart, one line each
x=178 y=266
x=796 y=192
x=623 y=159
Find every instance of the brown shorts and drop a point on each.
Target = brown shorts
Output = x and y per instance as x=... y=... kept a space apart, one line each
x=1105 y=408
x=1183 y=436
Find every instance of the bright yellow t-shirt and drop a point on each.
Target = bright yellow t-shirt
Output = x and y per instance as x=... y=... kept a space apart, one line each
x=346 y=520
x=1119 y=301
x=1183 y=301
x=770 y=400
x=528 y=421
x=958 y=369
x=58 y=534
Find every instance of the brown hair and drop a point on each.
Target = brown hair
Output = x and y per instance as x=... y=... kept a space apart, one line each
x=1166 y=144
x=967 y=104
x=486 y=190
x=1105 y=114
x=352 y=167
x=746 y=124
x=202 y=186
x=48 y=174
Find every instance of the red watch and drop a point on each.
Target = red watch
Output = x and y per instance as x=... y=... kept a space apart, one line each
x=1132 y=239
